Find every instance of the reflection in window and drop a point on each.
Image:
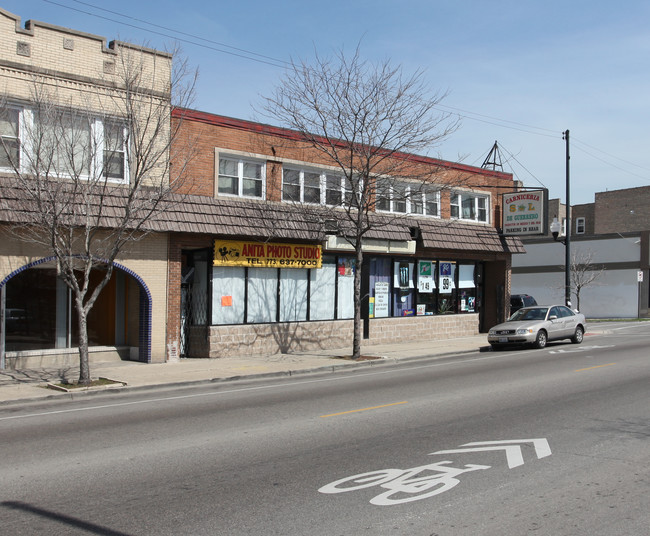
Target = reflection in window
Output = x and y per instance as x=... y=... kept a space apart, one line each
x=466 y=206
x=240 y=178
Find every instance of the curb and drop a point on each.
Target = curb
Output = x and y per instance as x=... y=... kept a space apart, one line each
x=328 y=369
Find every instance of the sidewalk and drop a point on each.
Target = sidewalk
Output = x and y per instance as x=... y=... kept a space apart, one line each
x=19 y=386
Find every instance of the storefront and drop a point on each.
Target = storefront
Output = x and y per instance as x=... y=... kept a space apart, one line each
x=270 y=297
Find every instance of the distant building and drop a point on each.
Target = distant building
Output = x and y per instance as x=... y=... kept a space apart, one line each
x=613 y=234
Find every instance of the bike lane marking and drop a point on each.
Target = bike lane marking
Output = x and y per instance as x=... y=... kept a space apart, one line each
x=363 y=409
x=406 y=485
x=514 y=455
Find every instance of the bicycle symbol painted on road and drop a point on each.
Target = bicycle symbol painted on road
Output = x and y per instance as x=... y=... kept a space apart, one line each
x=404 y=485
x=407 y=485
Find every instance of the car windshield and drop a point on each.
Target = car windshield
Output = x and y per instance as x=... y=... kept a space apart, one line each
x=536 y=313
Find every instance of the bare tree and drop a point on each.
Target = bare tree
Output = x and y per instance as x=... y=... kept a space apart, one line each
x=94 y=168
x=584 y=272
x=367 y=120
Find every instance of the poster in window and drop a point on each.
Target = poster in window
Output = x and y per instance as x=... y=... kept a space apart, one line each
x=426 y=282
x=346 y=267
x=404 y=275
x=382 y=292
x=446 y=278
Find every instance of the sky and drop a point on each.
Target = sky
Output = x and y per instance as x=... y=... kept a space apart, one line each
x=519 y=72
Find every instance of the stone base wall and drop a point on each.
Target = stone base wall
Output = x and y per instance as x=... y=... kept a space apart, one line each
x=290 y=337
x=286 y=337
x=422 y=328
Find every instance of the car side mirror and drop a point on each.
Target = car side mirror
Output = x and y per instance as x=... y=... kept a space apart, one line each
x=552 y=317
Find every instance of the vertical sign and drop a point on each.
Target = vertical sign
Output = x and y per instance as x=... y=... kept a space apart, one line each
x=382 y=292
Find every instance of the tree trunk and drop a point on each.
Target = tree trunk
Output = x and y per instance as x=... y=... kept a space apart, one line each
x=84 y=367
x=356 y=338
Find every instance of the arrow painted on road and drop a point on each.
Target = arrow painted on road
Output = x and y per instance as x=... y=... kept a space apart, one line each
x=512 y=448
x=581 y=349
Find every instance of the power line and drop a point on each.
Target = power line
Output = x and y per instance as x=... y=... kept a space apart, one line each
x=274 y=62
x=244 y=53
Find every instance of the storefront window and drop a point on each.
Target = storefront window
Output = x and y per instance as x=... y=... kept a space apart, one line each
x=293 y=295
x=321 y=295
x=466 y=289
x=426 y=286
x=404 y=288
x=262 y=295
x=345 y=287
x=40 y=313
x=446 y=287
x=379 y=287
x=228 y=291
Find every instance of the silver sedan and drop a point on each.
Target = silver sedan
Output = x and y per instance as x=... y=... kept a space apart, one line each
x=538 y=325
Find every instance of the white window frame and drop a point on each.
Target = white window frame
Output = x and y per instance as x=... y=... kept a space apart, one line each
x=457 y=200
x=100 y=154
x=580 y=225
x=409 y=201
x=323 y=189
x=26 y=123
x=17 y=137
x=241 y=161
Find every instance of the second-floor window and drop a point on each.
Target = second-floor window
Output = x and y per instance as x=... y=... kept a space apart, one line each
x=468 y=206
x=63 y=144
x=114 y=150
x=9 y=138
x=580 y=226
x=242 y=178
x=402 y=197
x=312 y=186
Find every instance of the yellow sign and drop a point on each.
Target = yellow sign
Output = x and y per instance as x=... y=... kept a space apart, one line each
x=266 y=255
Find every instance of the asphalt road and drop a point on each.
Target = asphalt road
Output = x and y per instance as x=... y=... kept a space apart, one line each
x=550 y=442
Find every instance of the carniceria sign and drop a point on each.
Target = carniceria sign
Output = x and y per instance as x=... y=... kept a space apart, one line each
x=524 y=213
x=270 y=255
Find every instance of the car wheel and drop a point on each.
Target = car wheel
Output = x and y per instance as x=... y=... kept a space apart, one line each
x=541 y=339
x=579 y=335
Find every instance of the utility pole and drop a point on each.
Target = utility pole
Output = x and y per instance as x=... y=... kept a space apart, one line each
x=567 y=239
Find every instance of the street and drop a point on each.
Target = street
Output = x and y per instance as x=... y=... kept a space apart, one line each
x=551 y=442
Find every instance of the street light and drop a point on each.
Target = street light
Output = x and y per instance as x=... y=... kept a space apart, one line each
x=556 y=227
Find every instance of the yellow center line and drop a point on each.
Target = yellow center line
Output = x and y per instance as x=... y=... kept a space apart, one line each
x=599 y=366
x=364 y=409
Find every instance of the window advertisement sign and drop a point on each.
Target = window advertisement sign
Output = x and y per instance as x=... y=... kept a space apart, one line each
x=446 y=277
x=266 y=255
x=525 y=213
x=426 y=280
x=403 y=275
x=382 y=299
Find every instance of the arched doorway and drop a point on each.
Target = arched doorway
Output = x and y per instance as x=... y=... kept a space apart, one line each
x=39 y=315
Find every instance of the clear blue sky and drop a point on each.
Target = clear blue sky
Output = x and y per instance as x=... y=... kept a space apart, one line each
x=517 y=71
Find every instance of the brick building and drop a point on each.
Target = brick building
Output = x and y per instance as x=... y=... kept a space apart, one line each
x=434 y=265
x=81 y=76
x=435 y=268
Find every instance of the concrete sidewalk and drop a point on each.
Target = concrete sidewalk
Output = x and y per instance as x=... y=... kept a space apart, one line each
x=19 y=386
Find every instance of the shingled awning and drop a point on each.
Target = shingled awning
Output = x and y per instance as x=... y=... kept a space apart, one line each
x=263 y=220
x=467 y=237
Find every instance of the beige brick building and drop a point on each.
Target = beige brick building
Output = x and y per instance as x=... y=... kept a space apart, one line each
x=81 y=78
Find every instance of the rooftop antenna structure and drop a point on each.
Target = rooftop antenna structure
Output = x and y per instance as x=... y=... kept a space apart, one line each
x=493 y=159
